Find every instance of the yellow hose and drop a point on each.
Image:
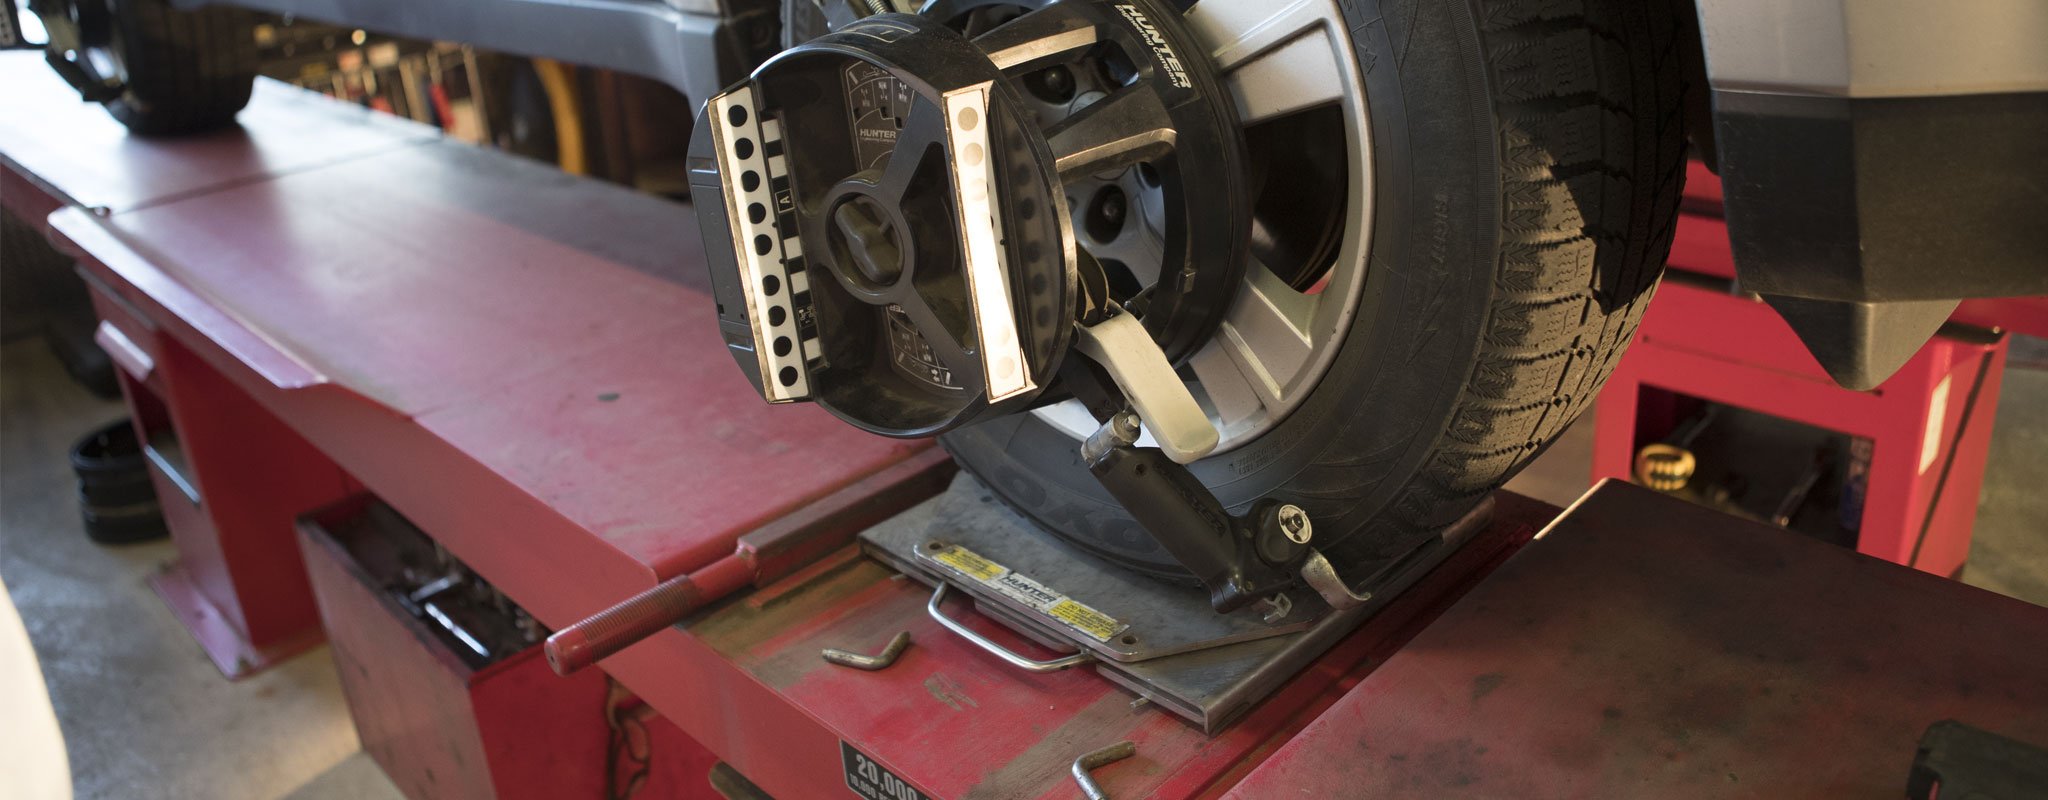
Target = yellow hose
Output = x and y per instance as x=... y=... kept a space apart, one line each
x=558 y=81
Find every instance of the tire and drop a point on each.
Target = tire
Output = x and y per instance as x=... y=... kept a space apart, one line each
x=116 y=500
x=180 y=72
x=1529 y=156
x=110 y=467
x=44 y=294
x=124 y=526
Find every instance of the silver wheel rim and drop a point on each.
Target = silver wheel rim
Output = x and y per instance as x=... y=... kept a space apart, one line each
x=1275 y=343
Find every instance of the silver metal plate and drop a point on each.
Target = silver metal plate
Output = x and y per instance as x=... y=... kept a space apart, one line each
x=1203 y=666
x=1157 y=618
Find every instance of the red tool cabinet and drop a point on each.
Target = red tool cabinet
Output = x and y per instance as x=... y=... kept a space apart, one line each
x=443 y=728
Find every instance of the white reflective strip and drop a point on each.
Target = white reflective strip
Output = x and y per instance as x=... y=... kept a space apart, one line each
x=974 y=181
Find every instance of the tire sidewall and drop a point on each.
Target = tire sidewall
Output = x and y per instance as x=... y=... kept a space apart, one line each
x=1369 y=427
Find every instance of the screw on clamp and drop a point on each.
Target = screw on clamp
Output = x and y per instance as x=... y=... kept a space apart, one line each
x=1294 y=523
x=878 y=661
x=1097 y=760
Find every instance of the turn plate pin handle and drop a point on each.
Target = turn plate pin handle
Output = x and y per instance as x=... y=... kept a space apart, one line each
x=1020 y=662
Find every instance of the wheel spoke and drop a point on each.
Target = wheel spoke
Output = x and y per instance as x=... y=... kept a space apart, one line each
x=1118 y=131
x=1265 y=335
x=1229 y=391
x=1275 y=61
x=1300 y=74
x=1242 y=31
x=1039 y=39
x=1135 y=250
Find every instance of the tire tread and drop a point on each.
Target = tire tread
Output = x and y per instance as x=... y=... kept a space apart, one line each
x=1532 y=183
x=187 y=71
x=1591 y=140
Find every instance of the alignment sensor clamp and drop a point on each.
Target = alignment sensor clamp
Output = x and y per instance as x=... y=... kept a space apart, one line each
x=888 y=221
x=896 y=203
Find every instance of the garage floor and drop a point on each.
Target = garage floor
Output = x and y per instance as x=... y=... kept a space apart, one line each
x=144 y=712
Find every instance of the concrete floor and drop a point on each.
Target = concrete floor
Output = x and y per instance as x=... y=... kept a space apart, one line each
x=2009 y=546
x=145 y=713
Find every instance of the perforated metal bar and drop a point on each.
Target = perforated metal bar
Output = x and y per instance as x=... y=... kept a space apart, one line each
x=777 y=293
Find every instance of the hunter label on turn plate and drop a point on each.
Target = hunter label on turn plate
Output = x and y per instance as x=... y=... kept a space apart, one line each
x=873 y=781
x=1021 y=588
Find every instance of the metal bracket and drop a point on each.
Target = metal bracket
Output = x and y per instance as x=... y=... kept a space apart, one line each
x=1137 y=365
x=1020 y=662
x=1317 y=572
x=878 y=661
x=1320 y=576
x=1097 y=760
x=1240 y=559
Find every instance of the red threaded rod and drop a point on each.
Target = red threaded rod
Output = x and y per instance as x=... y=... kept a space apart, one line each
x=642 y=615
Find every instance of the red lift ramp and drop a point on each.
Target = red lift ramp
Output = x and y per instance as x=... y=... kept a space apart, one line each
x=525 y=366
x=1644 y=647
x=326 y=300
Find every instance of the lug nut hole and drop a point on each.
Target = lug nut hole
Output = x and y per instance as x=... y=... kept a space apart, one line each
x=1107 y=212
x=1053 y=85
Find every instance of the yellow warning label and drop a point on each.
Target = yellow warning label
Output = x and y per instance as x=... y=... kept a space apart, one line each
x=1030 y=593
x=1087 y=620
x=970 y=563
